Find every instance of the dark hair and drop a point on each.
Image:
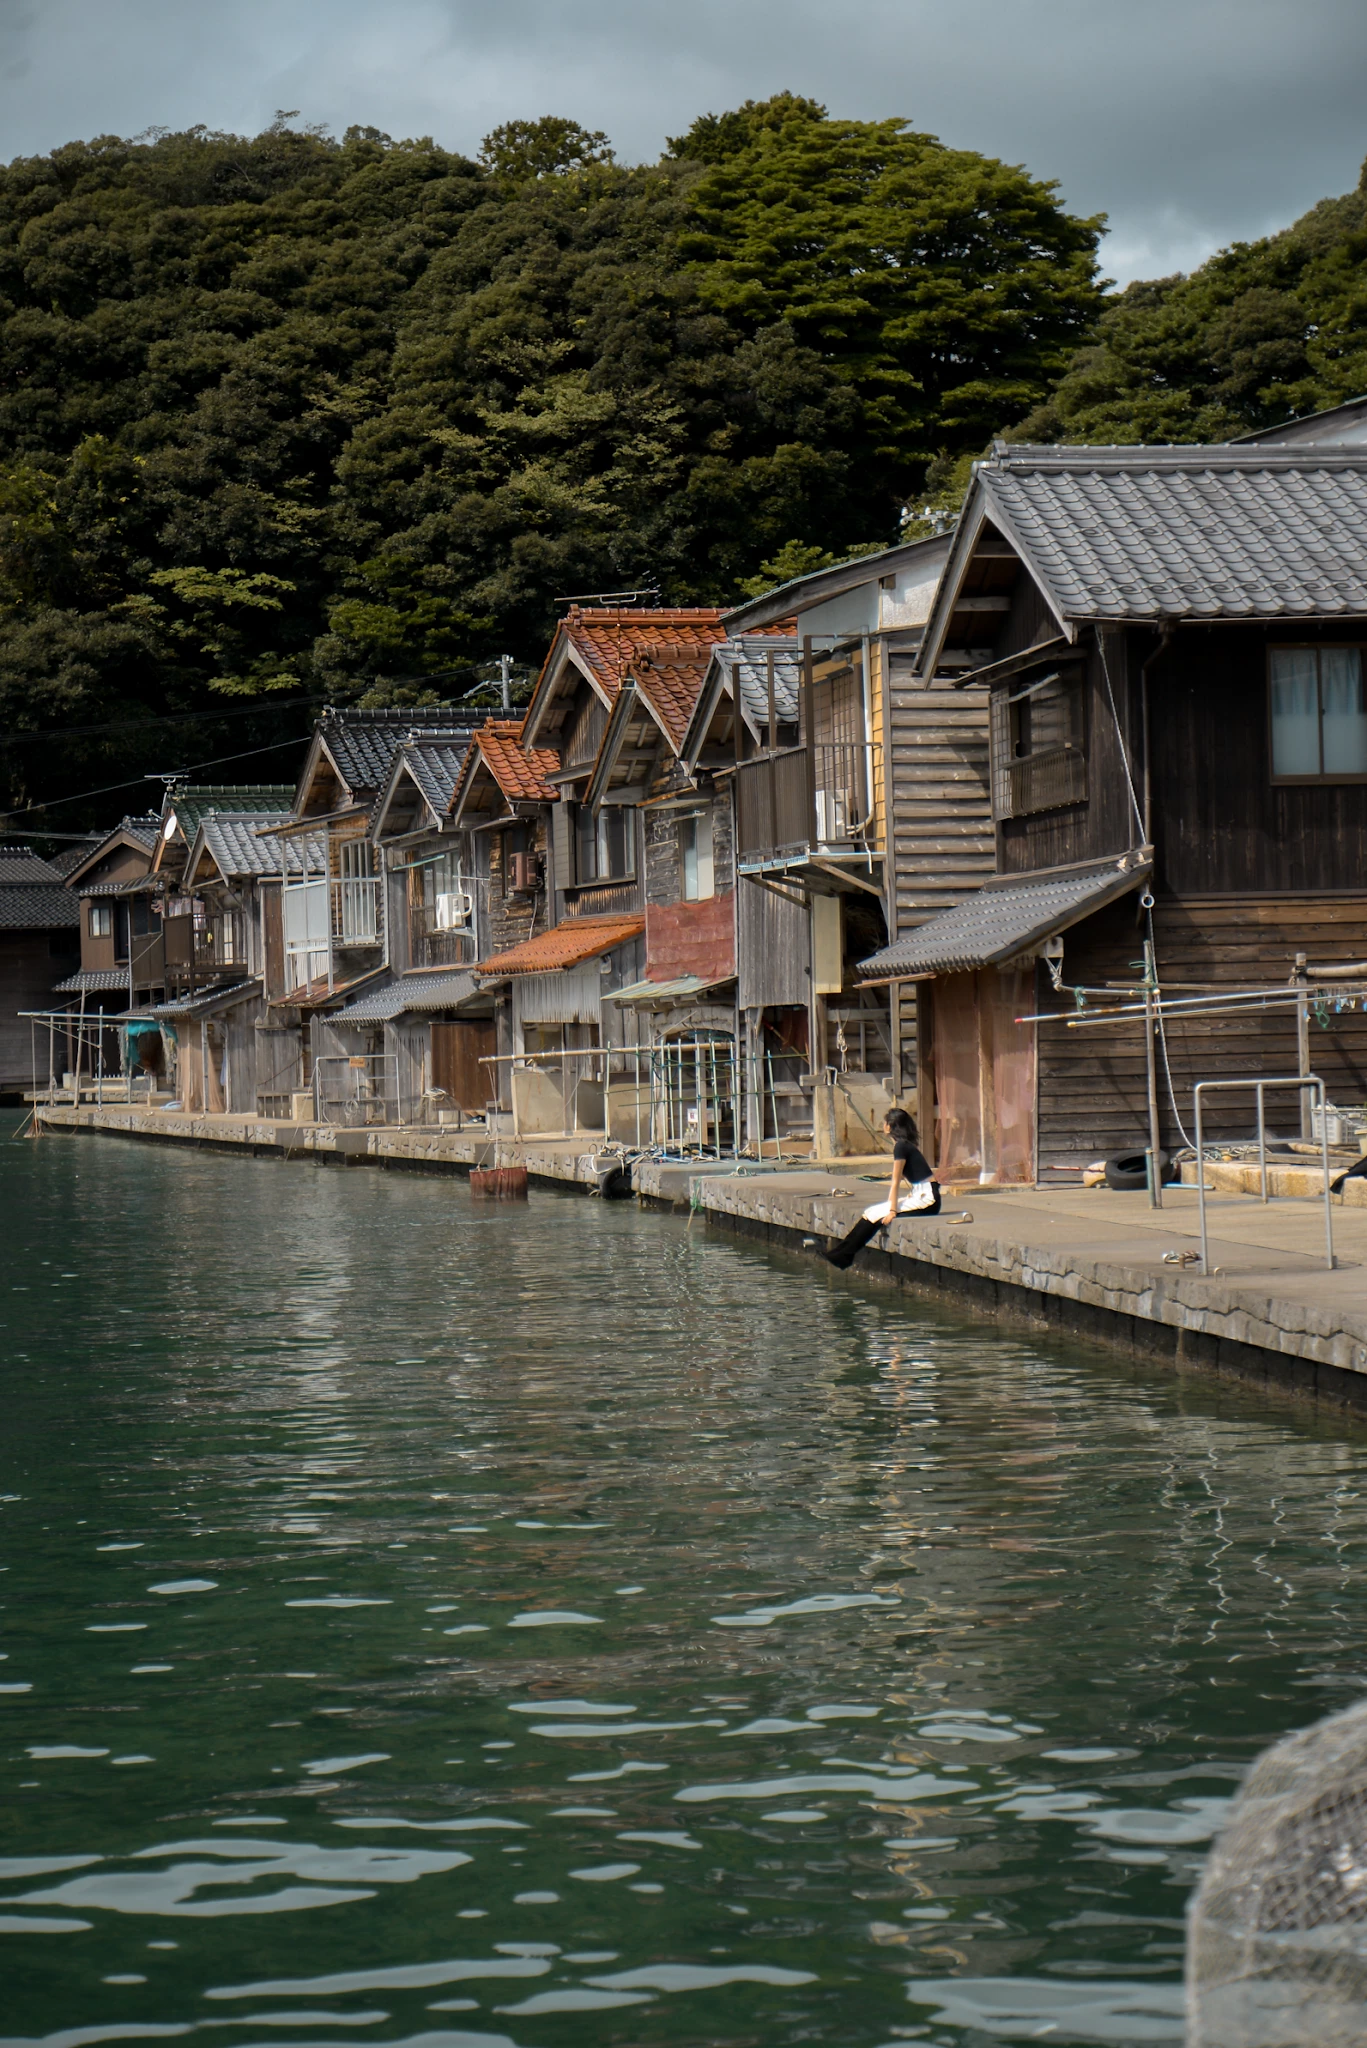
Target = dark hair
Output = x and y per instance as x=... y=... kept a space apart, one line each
x=902 y=1125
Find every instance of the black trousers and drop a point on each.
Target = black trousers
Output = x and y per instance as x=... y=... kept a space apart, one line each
x=844 y=1253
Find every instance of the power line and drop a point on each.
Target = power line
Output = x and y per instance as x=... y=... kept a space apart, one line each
x=7 y=817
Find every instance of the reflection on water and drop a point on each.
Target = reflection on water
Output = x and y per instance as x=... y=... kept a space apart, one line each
x=430 y=1624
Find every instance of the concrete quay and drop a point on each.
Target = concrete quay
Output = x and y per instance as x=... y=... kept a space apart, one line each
x=1074 y=1262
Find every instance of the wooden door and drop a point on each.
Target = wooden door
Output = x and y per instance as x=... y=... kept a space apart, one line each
x=457 y=1050
x=983 y=1063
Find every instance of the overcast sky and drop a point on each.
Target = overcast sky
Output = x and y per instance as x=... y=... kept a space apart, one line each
x=1192 y=123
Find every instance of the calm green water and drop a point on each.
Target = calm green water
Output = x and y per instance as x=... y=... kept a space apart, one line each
x=432 y=1624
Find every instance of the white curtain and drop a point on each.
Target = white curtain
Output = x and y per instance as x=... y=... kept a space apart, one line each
x=1345 y=716
x=1295 y=712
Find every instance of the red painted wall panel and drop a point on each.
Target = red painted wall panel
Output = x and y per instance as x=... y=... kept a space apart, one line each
x=691 y=938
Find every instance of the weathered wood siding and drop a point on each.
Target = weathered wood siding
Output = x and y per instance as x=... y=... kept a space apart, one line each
x=773 y=946
x=1106 y=822
x=1220 y=822
x=942 y=844
x=1092 y=1087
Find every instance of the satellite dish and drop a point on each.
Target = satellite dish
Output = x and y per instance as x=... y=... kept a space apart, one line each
x=168 y=828
x=1277 y=1938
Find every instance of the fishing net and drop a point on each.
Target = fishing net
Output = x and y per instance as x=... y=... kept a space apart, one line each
x=1277 y=1948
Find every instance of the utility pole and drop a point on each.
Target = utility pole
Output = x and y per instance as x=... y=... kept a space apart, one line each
x=505 y=664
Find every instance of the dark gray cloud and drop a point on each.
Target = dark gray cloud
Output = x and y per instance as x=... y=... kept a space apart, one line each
x=1191 y=123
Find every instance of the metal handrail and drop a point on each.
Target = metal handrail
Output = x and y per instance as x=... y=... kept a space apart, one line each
x=1296 y=1081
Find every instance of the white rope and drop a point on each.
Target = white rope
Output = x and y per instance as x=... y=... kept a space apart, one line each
x=1120 y=737
x=1162 y=1033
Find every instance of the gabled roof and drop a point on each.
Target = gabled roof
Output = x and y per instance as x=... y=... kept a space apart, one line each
x=34 y=907
x=565 y=945
x=603 y=645
x=430 y=768
x=745 y=659
x=1183 y=533
x=1340 y=426
x=139 y=835
x=22 y=864
x=234 y=846
x=361 y=744
x=653 y=705
x=497 y=757
x=789 y=600
x=193 y=802
x=1008 y=916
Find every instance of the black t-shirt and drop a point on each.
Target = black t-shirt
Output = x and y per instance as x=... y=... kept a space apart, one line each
x=914 y=1165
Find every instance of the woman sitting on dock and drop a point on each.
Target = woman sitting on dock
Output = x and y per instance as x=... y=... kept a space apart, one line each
x=914 y=1191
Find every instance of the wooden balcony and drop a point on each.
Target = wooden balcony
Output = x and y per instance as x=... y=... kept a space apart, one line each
x=800 y=800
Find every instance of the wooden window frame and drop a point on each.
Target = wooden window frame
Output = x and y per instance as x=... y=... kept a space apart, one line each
x=1071 y=761
x=100 y=920
x=1315 y=647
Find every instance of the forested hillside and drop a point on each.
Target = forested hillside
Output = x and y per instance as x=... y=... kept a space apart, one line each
x=292 y=417
x=1262 y=332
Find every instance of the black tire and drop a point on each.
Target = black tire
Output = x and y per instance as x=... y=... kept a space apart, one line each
x=1126 y=1171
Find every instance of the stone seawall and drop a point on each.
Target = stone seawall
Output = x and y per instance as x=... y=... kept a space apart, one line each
x=1095 y=1266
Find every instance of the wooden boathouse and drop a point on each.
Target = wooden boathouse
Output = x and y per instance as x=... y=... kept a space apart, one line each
x=1178 y=735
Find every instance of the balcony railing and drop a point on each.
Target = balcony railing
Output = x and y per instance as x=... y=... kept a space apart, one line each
x=441 y=934
x=798 y=798
x=357 y=905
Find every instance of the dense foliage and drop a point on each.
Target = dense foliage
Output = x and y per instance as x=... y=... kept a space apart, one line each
x=1262 y=332
x=292 y=418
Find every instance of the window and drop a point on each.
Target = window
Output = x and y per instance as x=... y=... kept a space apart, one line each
x=1039 y=760
x=101 y=920
x=1318 y=714
x=603 y=845
x=695 y=856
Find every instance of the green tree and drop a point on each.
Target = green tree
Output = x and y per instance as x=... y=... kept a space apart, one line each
x=294 y=416
x=1264 y=331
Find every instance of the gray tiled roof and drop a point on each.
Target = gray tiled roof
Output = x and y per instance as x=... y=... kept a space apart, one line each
x=748 y=661
x=363 y=743
x=93 y=980
x=237 y=850
x=1228 y=532
x=434 y=765
x=438 y=990
x=22 y=864
x=1004 y=918
x=197 y=801
x=33 y=909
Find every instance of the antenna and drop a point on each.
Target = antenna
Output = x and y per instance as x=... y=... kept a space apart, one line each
x=624 y=597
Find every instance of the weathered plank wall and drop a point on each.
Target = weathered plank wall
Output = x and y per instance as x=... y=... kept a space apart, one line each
x=1092 y=1088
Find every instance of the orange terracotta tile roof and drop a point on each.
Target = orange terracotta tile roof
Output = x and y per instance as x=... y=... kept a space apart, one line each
x=520 y=774
x=609 y=643
x=670 y=685
x=566 y=944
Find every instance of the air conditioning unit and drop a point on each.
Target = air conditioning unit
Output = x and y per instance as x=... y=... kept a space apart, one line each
x=524 y=873
x=455 y=908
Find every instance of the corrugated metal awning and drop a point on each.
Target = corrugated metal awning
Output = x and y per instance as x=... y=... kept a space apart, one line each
x=647 y=993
